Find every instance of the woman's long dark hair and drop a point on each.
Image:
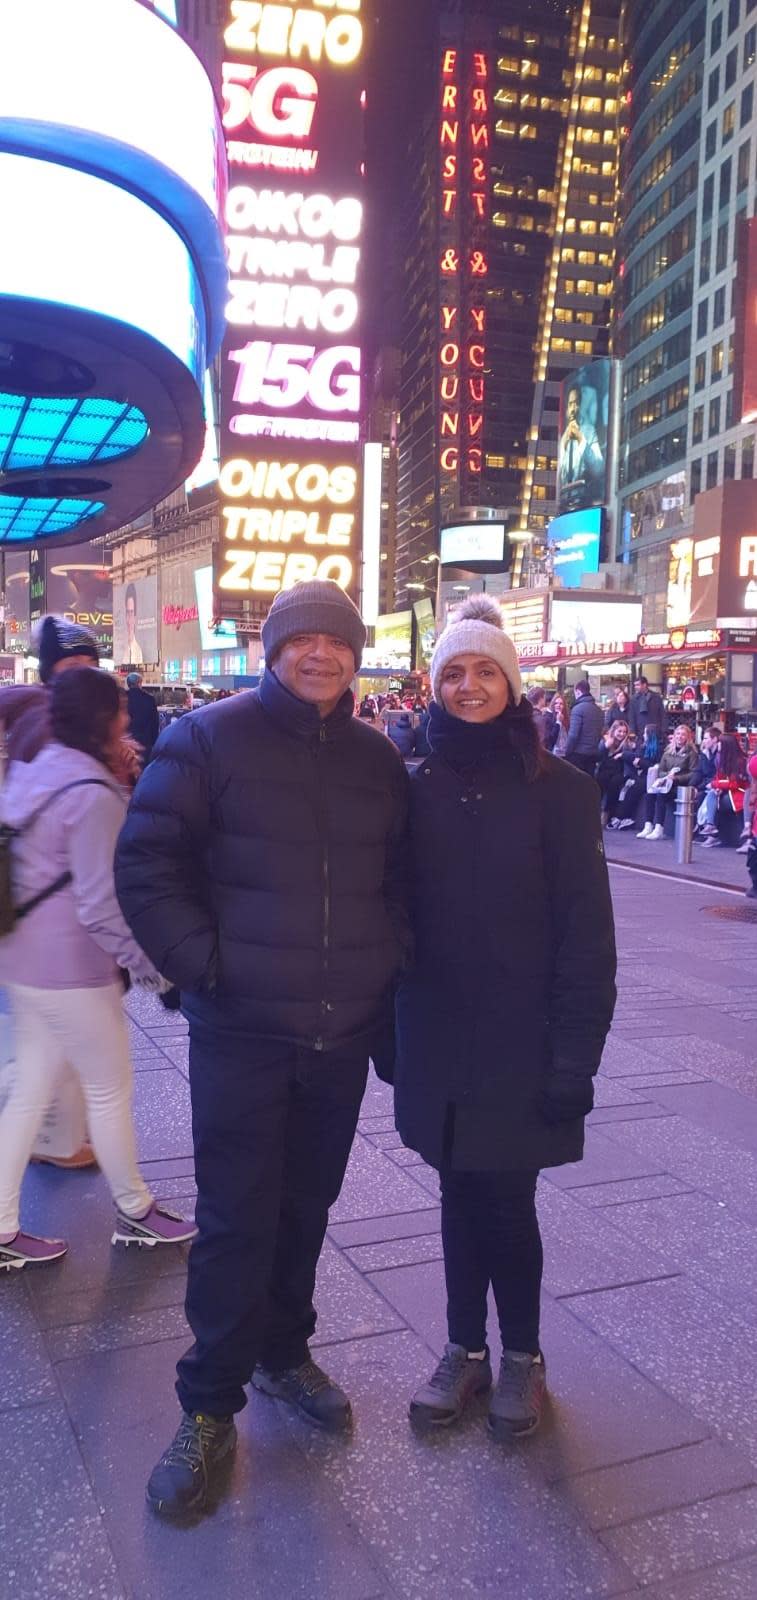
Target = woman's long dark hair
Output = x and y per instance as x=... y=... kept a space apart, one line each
x=85 y=704
x=731 y=759
x=524 y=738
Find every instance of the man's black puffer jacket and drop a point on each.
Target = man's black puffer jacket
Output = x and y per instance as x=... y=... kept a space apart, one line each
x=262 y=868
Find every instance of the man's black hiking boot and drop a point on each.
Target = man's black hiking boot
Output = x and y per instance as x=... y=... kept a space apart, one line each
x=311 y=1391
x=190 y=1468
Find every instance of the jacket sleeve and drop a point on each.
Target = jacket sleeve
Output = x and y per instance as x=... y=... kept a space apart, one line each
x=574 y=731
x=584 y=961
x=160 y=859
x=92 y=835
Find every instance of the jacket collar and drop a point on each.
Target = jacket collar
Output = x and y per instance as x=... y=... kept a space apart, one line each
x=296 y=717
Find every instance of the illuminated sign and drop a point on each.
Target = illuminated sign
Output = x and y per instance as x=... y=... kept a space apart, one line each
x=464 y=144
x=469 y=543
x=681 y=639
x=680 y=575
x=291 y=386
x=574 y=542
x=583 y=624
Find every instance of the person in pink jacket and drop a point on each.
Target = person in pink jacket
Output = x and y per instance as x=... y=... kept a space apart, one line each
x=751 y=859
x=63 y=961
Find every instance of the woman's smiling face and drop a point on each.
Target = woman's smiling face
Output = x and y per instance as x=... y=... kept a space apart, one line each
x=474 y=688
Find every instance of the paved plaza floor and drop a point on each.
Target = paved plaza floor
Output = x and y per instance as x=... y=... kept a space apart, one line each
x=644 y=1478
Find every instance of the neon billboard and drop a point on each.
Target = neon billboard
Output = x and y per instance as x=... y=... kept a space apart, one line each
x=291 y=378
x=464 y=174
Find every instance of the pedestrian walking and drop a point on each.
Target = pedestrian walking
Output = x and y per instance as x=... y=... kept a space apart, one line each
x=144 y=720
x=586 y=728
x=502 y=1020
x=546 y=722
x=61 y=958
x=262 y=868
x=25 y=708
x=647 y=709
x=751 y=860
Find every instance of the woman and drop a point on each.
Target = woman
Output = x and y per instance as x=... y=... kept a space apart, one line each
x=677 y=767
x=502 y=1022
x=61 y=961
x=618 y=709
x=636 y=764
x=561 y=715
x=727 y=788
x=610 y=773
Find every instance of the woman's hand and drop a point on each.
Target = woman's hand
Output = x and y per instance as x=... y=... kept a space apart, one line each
x=125 y=762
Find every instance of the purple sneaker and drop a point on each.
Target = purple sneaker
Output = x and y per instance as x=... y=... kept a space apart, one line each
x=26 y=1249
x=157 y=1226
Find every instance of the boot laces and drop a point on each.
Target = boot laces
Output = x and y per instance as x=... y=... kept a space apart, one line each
x=515 y=1376
x=449 y=1370
x=311 y=1379
x=193 y=1437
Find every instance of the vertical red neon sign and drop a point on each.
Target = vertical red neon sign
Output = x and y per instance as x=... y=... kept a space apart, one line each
x=450 y=322
x=479 y=156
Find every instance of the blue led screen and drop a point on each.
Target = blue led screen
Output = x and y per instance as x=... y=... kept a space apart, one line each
x=56 y=432
x=40 y=518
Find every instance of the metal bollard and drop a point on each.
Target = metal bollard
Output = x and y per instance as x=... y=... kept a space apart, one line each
x=685 y=810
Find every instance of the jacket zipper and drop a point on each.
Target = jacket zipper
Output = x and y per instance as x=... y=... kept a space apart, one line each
x=326 y=886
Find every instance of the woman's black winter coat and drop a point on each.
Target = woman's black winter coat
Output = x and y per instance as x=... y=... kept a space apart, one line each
x=262 y=866
x=513 y=989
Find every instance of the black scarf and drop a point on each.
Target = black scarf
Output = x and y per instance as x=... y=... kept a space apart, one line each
x=466 y=744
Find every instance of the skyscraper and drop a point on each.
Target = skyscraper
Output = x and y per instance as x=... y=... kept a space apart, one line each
x=508 y=208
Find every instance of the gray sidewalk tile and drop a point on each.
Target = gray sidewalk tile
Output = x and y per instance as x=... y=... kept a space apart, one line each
x=718 y=1109
x=689 y=1538
x=692 y=1344
x=615 y=1415
x=54 y=1544
x=25 y=1372
x=374 y=1185
x=625 y=1190
x=279 y=1532
x=699 y=1158
x=348 y=1307
x=396 y=1253
x=449 y=1516
x=606 y=1161
x=635 y=1489
x=584 y=1251
x=642 y=1111
x=119 y=1331
x=393 y=1225
x=735 y=1580
x=698 y=1234
x=162 y=1115
x=108 y=1304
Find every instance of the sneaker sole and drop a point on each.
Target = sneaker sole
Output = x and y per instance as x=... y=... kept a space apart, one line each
x=507 y=1433
x=341 y=1424
x=117 y=1237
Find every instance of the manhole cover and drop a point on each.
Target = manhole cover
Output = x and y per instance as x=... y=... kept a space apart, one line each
x=747 y=913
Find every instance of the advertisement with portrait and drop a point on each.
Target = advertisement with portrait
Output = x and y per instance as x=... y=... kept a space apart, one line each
x=79 y=586
x=680 y=575
x=17 y=608
x=584 y=426
x=425 y=633
x=135 y=623
x=291 y=402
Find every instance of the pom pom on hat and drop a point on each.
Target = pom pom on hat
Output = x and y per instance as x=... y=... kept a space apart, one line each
x=477 y=629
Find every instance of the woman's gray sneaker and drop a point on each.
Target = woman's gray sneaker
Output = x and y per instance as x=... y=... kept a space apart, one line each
x=190 y=1468
x=517 y=1402
x=311 y=1391
x=456 y=1381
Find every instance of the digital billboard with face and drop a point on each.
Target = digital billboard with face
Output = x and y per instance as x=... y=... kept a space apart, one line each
x=135 y=623
x=291 y=384
x=582 y=454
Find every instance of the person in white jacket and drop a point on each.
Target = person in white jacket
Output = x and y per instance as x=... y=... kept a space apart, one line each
x=64 y=960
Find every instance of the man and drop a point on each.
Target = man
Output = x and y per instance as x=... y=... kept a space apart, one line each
x=580 y=457
x=144 y=721
x=25 y=708
x=586 y=728
x=261 y=866
x=544 y=719
x=134 y=656
x=647 y=710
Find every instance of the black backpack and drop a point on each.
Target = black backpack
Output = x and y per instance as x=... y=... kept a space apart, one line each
x=10 y=914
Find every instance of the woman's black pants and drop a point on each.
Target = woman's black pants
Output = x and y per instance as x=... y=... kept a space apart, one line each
x=490 y=1235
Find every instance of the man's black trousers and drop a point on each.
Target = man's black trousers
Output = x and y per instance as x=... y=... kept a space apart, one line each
x=273 y=1126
